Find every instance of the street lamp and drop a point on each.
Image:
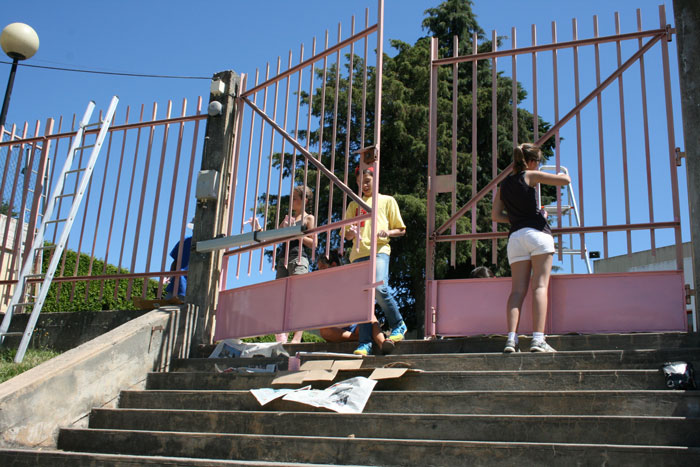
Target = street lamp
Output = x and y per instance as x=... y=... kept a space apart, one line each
x=19 y=41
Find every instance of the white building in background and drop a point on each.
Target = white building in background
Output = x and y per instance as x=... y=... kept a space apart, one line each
x=664 y=260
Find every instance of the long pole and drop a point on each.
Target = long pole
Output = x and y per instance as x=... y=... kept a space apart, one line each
x=8 y=92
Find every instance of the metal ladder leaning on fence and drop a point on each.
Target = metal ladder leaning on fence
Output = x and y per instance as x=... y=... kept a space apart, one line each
x=569 y=208
x=18 y=297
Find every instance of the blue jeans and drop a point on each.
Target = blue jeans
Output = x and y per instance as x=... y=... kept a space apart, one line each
x=384 y=298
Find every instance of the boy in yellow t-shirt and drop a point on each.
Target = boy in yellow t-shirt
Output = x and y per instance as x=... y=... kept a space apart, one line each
x=389 y=224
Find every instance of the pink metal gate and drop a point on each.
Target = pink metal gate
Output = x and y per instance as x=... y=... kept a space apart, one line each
x=137 y=205
x=599 y=303
x=276 y=150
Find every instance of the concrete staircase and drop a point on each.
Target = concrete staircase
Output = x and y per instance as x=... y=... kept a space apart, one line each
x=601 y=400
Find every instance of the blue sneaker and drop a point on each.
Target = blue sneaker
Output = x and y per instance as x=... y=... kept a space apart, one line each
x=364 y=349
x=398 y=332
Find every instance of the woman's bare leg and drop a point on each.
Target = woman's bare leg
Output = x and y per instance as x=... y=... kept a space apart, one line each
x=520 y=272
x=541 y=270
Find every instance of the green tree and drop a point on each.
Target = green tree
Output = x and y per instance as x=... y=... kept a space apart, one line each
x=404 y=150
x=100 y=295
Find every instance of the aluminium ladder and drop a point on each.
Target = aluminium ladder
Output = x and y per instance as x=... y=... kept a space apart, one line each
x=59 y=192
x=567 y=208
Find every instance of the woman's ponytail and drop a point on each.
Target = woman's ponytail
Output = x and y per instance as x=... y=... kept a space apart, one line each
x=518 y=160
x=524 y=153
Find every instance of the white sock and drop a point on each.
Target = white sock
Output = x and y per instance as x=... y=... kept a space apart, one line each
x=538 y=336
x=513 y=336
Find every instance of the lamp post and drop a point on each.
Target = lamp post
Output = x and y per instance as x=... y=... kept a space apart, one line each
x=20 y=42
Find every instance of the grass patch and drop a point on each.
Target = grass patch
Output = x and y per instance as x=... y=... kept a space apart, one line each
x=33 y=357
x=308 y=337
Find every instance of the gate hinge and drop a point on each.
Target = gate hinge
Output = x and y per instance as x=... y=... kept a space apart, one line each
x=679 y=155
x=669 y=33
x=689 y=293
x=370 y=154
x=433 y=314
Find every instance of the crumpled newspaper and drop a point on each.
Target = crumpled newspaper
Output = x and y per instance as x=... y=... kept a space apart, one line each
x=235 y=348
x=348 y=396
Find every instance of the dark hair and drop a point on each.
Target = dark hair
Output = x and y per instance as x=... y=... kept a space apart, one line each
x=481 y=271
x=523 y=154
x=333 y=257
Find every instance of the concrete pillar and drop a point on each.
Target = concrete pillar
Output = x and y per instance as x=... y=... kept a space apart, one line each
x=211 y=214
x=687 y=16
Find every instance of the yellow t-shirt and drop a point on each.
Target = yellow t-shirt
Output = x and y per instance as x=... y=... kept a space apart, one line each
x=388 y=217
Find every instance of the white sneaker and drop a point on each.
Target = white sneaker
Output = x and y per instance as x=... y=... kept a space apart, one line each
x=541 y=346
x=511 y=346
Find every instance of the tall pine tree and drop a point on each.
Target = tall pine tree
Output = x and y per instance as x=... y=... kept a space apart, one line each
x=404 y=145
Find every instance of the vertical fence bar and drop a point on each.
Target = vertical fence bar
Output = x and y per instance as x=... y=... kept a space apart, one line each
x=601 y=145
x=623 y=133
x=114 y=207
x=144 y=185
x=171 y=203
x=128 y=204
x=453 y=173
x=308 y=146
x=272 y=151
x=377 y=141
x=647 y=151
x=279 y=191
x=321 y=127
x=159 y=182
x=671 y=137
x=99 y=215
x=294 y=164
x=579 y=150
x=254 y=214
x=432 y=152
x=494 y=138
x=346 y=173
x=247 y=169
x=334 y=136
x=475 y=50
x=233 y=185
x=555 y=90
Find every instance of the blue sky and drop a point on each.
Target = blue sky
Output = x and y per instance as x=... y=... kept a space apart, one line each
x=200 y=38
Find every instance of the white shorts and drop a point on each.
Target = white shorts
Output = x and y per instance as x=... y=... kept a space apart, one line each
x=527 y=242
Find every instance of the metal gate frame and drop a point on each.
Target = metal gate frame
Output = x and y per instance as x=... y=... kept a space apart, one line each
x=270 y=307
x=447 y=183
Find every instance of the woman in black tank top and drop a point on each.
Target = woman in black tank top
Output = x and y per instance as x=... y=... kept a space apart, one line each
x=530 y=246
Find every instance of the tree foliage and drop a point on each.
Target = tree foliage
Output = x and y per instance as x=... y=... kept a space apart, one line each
x=63 y=297
x=404 y=145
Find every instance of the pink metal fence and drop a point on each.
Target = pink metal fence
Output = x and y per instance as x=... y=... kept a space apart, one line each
x=605 y=187
x=137 y=205
x=281 y=143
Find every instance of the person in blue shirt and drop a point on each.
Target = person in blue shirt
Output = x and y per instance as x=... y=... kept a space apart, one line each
x=184 y=266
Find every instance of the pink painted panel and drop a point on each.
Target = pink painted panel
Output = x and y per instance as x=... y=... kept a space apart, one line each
x=318 y=299
x=643 y=301
x=251 y=311
x=476 y=306
x=627 y=302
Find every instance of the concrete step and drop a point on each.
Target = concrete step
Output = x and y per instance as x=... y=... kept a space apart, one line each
x=495 y=343
x=54 y=458
x=414 y=380
x=571 y=360
x=637 y=403
x=591 y=429
x=369 y=451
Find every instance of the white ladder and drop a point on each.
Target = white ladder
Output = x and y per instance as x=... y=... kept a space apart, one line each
x=568 y=207
x=18 y=297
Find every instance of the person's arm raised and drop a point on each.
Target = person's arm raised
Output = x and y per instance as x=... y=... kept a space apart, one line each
x=533 y=177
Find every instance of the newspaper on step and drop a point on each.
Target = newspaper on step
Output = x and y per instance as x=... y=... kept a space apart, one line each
x=349 y=396
x=236 y=348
